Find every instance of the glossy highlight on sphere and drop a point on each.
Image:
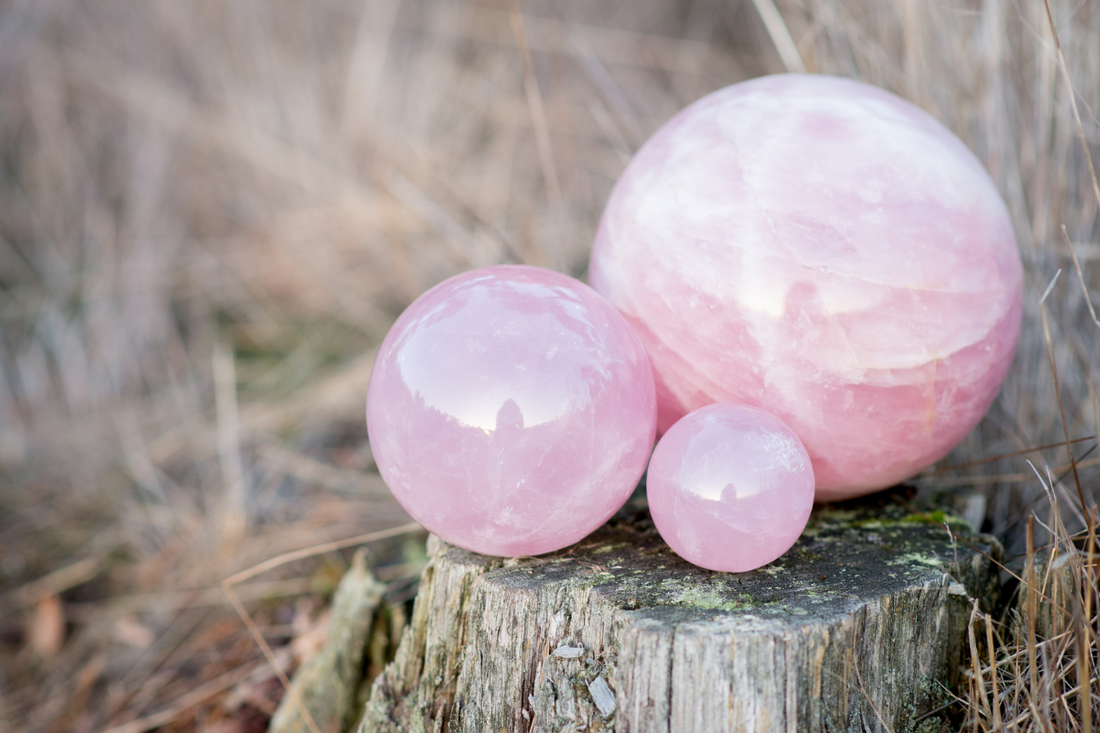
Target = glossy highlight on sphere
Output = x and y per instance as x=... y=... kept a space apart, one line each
x=730 y=487
x=511 y=410
x=827 y=251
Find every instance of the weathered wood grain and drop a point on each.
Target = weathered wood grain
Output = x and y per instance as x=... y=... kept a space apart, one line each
x=858 y=627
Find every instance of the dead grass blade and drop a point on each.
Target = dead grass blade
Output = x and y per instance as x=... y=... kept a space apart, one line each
x=991 y=649
x=1073 y=104
x=1058 y=398
x=780 y=35
x=976 y=661
x=1031 y=610
x=538 y=111
x=1080 y=274
x=306 y=552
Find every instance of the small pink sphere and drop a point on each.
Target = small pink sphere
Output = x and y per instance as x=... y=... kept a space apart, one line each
x=511 y=410
x=827 y=251
x=730 y=487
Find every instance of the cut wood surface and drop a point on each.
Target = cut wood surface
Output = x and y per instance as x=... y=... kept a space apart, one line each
x=861 y=626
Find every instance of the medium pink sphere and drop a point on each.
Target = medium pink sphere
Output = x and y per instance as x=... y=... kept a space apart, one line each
x=827 y=251
x=511 y=410
x=730 y=487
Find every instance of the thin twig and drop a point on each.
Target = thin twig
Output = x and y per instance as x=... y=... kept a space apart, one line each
x=1015 y=454
x=318 y=550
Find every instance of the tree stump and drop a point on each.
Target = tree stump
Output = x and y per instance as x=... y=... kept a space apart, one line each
x=861 y=626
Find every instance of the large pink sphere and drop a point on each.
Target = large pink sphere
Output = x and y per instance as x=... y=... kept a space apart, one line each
x=730 y=487
x=511 y=410
x=824 y=250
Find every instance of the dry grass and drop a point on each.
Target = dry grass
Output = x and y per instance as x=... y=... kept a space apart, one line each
x=210 y=213
x=1036 y=670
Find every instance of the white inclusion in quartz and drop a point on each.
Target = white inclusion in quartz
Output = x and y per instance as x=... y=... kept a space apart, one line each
x=786 y=454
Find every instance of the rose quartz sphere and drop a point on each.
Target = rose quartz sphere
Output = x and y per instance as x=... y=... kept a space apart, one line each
x=825 y=250
x=730 y=487
x=511 y=410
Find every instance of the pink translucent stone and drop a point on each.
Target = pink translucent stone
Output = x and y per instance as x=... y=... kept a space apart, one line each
x=824 y=250
x=730 y=487
x=511 y=410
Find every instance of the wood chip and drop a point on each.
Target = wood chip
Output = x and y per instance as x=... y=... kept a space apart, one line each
x=602 y=696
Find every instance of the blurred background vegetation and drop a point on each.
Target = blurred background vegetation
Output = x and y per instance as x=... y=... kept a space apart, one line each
x=210 y=213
